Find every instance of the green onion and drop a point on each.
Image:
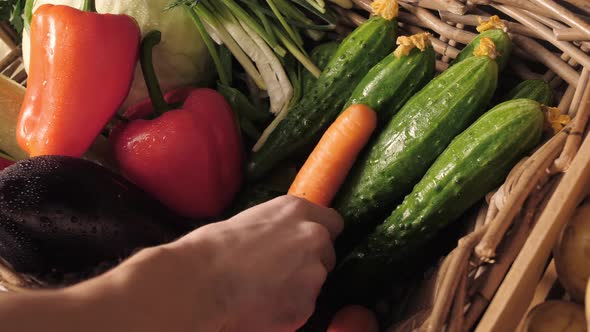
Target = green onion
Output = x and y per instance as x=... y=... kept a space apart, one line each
x=295 y=36
x=223 y=76
x=242 y=15
x=305 y=61
x=279 y=88
x=231 y=44
x=262 y=35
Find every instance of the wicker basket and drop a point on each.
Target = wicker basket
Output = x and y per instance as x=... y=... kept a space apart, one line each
x=519 y=223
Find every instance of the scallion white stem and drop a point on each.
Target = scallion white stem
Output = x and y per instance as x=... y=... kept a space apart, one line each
x=231 y=44
x=266 y=133
x=281 y=91
x=243 y=16
x=278 y=86
x=221 y=71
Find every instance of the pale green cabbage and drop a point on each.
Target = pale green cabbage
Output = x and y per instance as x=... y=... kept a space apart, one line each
x=180 y=59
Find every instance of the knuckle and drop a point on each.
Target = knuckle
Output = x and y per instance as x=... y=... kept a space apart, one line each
x=310 y=310
x=323 y=236
x=294 y=200
x=296 y=313
x=316 y=233
x=320 y=275
x=331 y=260
x=306 y=310
x=294 y=205
x=288 y=316
x=339 y=222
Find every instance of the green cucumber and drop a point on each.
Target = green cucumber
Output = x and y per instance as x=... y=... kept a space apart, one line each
x=537 y=90
x=321 y=56
x=303 y=125
x=503 y=46
x=476 y=162
x=411 y=142
x=253 y=196
x=276 y=184
x=393 y=81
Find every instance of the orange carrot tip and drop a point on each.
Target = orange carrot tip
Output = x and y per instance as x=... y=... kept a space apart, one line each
x=354 y=319
x=327 y=166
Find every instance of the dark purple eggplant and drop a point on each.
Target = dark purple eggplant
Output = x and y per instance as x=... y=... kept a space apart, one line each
x=64 y=216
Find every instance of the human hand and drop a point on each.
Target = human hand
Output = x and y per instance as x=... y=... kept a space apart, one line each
x=268 y=264
x=260 y=271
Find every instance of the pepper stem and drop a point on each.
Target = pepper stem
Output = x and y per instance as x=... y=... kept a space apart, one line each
x=89 y=6
x=149 y=72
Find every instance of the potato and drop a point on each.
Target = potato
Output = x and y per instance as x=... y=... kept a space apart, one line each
x=556 y=316
x=11 y=98
x=572 y=254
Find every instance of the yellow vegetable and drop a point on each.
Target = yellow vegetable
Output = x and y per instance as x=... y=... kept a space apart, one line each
x=588 y=306
x=556 y=316
x=572 y=254
x=11 y=98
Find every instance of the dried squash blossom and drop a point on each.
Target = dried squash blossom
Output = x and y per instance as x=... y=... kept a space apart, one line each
x=487 y=48
x=407 y=44
x=388 y=9
x=493 y=23
x=556 y=119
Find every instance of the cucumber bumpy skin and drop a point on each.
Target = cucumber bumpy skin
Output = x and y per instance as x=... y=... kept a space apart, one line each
x=393 y=81
x=321 y=56
x=537 y=90
x=303 y=126
x=411 y=142
x=475 y=163
x=503 y=46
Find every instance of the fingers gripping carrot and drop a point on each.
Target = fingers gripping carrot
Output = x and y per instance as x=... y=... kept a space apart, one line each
x=325 y=170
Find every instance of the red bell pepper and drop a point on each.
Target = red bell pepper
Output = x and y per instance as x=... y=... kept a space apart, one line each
x=82 y=66
x=190 y=158
x=5 y=163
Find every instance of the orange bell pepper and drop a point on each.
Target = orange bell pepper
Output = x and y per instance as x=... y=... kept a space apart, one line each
x=81 y=69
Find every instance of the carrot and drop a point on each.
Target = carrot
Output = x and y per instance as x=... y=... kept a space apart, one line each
x=354 y=319
x=325 y=170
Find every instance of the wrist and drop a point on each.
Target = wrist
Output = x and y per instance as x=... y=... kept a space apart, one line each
x=199 y=253
x=198 y=279
x=158 y=289
x=202 y=253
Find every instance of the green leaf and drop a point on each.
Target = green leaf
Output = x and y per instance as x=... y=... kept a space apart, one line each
x=226 y=59
x=16 y=17
x=241 y=104
x=12 y=11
